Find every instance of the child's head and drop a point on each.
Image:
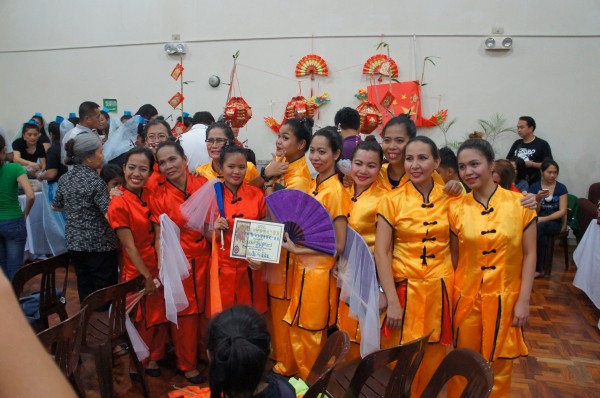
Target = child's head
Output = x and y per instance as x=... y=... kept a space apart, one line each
x=238 y=345
x=448 y=168
x=112 y=175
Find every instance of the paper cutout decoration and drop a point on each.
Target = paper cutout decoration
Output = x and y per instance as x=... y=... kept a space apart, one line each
x=381 y=65
x=407 y=100
x=387 y=100
x=176 y=100
x=320 y=100
x=370 y=117
x=177 y=71
x=273 y=124
x=299 y=107
x=237 y=112
x=178 y=129
x=312 y=65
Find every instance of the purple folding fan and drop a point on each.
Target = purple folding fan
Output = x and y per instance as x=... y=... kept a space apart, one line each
x=306 y=220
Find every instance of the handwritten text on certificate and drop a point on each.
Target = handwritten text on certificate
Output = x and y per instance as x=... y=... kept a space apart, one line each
x=258 y=240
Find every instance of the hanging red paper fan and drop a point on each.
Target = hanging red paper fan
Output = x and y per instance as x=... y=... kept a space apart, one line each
x=312 y=65
x=380 y=64
x=370 y=117
x=238 y=112
x=299 y=107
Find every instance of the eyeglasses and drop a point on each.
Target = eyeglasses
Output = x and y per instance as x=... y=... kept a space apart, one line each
x=213 y=141
x=160 y=137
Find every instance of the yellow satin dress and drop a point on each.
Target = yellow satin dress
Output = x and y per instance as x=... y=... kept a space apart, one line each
x=207 y=171
x=298 y=177
x=363 y=219
x=422 y=271
x=488 y=279
x=313 y=304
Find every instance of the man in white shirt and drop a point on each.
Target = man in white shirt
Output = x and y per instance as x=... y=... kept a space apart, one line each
x=89 y=120
x=194 y=140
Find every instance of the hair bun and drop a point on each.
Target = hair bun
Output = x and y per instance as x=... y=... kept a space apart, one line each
x=307 y=122
x=476 y=135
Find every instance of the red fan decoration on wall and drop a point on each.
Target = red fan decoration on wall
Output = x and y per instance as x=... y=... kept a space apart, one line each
x=381 y=65
x=237 y=112
x=312 y=65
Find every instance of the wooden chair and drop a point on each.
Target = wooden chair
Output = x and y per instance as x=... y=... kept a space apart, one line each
x=332 y=354
x=63 y=341
x=372 y=377
x=105 y=330
x=319 y=387
x=562 y=236
x=51 y=300
x=467 y=363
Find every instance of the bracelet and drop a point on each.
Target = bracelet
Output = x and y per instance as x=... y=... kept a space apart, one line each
x=263 y=175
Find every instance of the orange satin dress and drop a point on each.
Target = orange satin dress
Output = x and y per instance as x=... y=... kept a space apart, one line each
x=166 y=199
x=238 y=283
x=313 y=304
x=207 y=171
x=422 y=270
x=298 y=177
x=488 y=278
x=363 y=219
x=154 y=178
x=132 y=212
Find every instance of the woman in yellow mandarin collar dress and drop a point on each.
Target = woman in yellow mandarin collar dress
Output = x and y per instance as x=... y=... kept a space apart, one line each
x=218 y=136
x=365 y=195
x=292 y=143
x=412 y=251
x=313 y=304
x=493 y=247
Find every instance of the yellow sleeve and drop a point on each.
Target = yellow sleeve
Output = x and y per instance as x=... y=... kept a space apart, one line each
x=337 y=203
x=453 y=210
x=251 y=171
x=528 y=216
x=387 y=208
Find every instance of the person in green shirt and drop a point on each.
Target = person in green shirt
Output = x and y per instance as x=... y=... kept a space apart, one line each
x=13 y=233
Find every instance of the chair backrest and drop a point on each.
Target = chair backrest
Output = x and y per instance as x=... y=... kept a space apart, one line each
x=407 y=357
x=319 y=387
x=333 y=353
x=47 y=269
x=115 y=296
x=594 y=193
x=64 y=342
x=467 y=363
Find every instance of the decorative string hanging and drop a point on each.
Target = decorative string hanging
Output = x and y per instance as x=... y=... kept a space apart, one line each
x=237 y=111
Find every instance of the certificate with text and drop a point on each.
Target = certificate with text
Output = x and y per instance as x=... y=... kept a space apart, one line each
x=258 y=240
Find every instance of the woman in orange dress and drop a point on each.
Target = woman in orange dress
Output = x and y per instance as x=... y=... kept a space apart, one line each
x=129 y=216
x=218 y=136
x=313 y=305
x=240 y=280
x=366 y=193
x=155 y=132
x=175 y=186
x=493 y=244
x=289 y=160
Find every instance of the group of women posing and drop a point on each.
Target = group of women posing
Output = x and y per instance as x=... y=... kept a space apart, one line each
x=457 y=265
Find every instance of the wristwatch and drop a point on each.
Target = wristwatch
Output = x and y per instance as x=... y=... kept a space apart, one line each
x=263 y=175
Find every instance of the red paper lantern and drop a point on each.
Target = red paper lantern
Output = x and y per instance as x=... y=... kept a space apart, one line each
x=299 y=107
x=238 y=112
x=370 y=117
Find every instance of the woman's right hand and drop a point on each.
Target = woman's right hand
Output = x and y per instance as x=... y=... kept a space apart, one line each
x=394 y=315
x=287 y=243
x=543 y=193
x=150 y=285
x=221 y=224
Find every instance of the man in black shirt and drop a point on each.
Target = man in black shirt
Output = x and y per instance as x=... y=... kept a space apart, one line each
x=531 y=149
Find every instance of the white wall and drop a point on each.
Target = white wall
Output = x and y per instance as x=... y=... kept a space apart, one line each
x=54 y=55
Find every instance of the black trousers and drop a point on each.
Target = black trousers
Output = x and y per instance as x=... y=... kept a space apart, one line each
x=94 y=270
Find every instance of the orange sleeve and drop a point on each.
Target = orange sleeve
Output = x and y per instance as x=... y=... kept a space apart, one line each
x=118 y=213
x=337 y=203
x=251 y=172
